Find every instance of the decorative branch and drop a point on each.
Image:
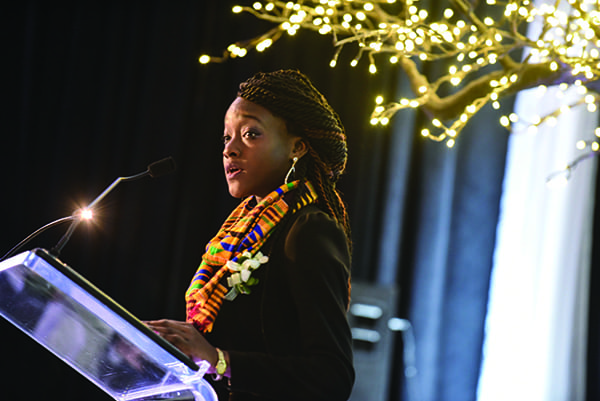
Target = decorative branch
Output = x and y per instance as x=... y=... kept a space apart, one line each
x=477 y=45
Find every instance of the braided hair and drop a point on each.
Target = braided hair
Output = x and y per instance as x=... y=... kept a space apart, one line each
x=290 y=95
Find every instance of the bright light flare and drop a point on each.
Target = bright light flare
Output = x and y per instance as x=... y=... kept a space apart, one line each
x=86 y=214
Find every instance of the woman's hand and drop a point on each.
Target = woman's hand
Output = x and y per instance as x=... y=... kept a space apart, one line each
x=186 y=337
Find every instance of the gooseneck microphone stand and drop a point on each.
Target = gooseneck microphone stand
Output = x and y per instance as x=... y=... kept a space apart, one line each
x=156 y=169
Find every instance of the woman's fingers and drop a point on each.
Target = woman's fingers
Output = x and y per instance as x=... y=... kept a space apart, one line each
x=173 y=332
x=184 y=336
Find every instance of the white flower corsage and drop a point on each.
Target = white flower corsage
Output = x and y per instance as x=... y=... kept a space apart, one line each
x=241 y=278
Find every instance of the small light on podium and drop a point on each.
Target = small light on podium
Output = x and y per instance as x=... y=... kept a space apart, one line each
x=86 y=214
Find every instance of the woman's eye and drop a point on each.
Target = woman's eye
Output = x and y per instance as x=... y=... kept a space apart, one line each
x=226 y=138
x=251 y=134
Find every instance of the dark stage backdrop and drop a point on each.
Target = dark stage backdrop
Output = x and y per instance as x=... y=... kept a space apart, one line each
x=96 y=90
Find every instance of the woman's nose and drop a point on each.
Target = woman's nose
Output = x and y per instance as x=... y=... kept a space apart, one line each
x=231 y=148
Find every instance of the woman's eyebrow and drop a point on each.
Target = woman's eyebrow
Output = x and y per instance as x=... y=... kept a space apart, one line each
x=252 y=117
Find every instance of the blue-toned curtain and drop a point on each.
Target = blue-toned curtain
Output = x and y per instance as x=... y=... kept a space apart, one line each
x=440 y=251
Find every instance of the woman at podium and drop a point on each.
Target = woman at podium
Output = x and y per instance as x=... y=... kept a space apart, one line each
x=267 y=305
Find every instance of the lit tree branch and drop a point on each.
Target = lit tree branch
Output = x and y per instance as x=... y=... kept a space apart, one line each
x=451 y=106
x=477 y=46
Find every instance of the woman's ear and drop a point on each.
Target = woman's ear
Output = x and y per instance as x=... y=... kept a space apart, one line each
x=299 y=148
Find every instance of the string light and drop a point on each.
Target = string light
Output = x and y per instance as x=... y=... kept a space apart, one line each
x=475 y=42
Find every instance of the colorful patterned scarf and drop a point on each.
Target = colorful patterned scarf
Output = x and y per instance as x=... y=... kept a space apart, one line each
x=246 y=229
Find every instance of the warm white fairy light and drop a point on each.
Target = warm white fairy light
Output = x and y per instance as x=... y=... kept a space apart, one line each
x=478 y=44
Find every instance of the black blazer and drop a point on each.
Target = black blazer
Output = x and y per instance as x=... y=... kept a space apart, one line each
x=289 y=339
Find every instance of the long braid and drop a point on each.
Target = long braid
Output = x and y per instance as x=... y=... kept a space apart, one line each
x=290 y=95
x=329 y=197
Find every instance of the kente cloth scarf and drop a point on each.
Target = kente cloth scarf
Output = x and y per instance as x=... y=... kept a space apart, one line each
x=246 y=229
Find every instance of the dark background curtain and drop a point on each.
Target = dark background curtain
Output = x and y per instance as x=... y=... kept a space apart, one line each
x=98 y=90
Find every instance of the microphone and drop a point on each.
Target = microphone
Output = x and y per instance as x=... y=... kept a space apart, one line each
x=157 y=169
x=161 y=167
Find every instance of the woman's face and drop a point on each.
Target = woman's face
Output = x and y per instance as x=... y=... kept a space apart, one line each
x=258 y=150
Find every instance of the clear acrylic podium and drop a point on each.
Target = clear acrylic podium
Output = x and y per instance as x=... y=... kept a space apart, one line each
x=98 y=338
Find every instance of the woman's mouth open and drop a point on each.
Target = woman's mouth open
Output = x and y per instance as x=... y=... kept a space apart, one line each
x=232 y=171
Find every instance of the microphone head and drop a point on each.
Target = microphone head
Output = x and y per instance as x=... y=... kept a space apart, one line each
x=161 y=167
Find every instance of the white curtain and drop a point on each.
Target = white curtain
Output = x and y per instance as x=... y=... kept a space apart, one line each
x=536 y=328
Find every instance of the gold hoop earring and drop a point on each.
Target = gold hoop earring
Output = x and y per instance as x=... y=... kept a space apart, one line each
x=291 y=171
